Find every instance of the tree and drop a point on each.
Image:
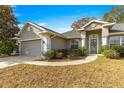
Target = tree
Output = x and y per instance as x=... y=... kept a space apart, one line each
x=8 y=23
x=81 y=22
x=116 y=14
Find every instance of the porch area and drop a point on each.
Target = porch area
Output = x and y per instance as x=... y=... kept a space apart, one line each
x=93 y=40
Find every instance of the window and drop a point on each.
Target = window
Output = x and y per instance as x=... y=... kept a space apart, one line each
x=122 y=40
x=74 y=44
x=114 y=40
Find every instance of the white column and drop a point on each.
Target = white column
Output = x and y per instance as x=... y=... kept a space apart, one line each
x=83 y=42
x=83 y=37
x=47 y=43
x=105 y=34
x=104 y=40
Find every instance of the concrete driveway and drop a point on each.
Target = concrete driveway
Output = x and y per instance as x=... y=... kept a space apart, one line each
x=14 y=60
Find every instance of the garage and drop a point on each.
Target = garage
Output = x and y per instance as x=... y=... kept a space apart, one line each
x=31 y=48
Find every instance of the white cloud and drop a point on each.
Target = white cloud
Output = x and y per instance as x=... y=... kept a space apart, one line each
x=13 y=6
x=42 y=23
x=17 y=15
x=20 y=25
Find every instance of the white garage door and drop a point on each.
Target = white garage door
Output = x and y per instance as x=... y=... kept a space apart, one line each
x=31 y=48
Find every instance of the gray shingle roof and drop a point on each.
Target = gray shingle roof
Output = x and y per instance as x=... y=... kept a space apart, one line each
x=47 y=29
x=117 y=28
x=72 y=34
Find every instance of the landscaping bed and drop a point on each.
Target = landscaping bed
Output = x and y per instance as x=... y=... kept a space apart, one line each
x=102 y=72
x=65 y=54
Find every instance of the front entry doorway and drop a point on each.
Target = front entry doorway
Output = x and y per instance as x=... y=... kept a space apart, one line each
x=93 y=44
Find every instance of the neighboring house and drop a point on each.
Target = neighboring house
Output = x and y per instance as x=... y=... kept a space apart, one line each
x=36 y=40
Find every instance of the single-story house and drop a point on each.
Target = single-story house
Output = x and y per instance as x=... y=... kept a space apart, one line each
x=35 y=39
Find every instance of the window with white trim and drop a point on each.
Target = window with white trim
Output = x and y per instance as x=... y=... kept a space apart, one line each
x=122 y=40
x=74 y=44
x=116 y=40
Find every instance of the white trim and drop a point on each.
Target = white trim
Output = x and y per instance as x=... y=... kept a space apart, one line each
x=120 y=39
x=98 y=21
x=40 y=28
x=41 y=48
x=31 y=39
x=104 y=40
x=117 y=33
x=19 y=48
x=109 y=24
x=97 y=42
x=83 y=42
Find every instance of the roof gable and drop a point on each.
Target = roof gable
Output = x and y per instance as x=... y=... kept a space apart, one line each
x=94 y=21
x=42 y=29
x=29 y=33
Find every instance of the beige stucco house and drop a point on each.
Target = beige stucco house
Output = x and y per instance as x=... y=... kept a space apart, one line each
x=35 y=39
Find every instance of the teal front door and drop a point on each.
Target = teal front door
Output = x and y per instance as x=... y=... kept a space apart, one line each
x=93 y=47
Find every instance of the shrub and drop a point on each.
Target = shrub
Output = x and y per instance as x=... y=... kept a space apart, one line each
x=119 y=49
x=49 y=55
x=64 y=51
x=59 y=55
x=83 y=51
x=7 y=47
x=112 y=54
x=73 y=53
x=103 y=48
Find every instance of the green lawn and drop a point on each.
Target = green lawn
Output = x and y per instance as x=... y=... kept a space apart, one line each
x=100 y=73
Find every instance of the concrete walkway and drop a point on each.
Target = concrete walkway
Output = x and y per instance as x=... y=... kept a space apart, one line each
x=88 y=59
x=10 y=61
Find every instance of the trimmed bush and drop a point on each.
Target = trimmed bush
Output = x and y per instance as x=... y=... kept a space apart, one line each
x=7 y=47
x=103 y=48
x=83 y=51
x=49 y=55
x=59 y=55
x=73 y=53
x=64 y=51
x=112 y=54
x=119 y=49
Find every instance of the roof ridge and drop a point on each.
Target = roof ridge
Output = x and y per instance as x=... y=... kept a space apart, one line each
x=46 y=28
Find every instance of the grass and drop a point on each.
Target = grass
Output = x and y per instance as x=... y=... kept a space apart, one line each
x=100 y=73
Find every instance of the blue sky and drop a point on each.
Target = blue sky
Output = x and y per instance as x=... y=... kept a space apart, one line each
x=58 y=18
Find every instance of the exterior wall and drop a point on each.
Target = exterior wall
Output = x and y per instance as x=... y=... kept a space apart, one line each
x=89 y=27
x=25 y=35
x=58 y=43
x=93 y=32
